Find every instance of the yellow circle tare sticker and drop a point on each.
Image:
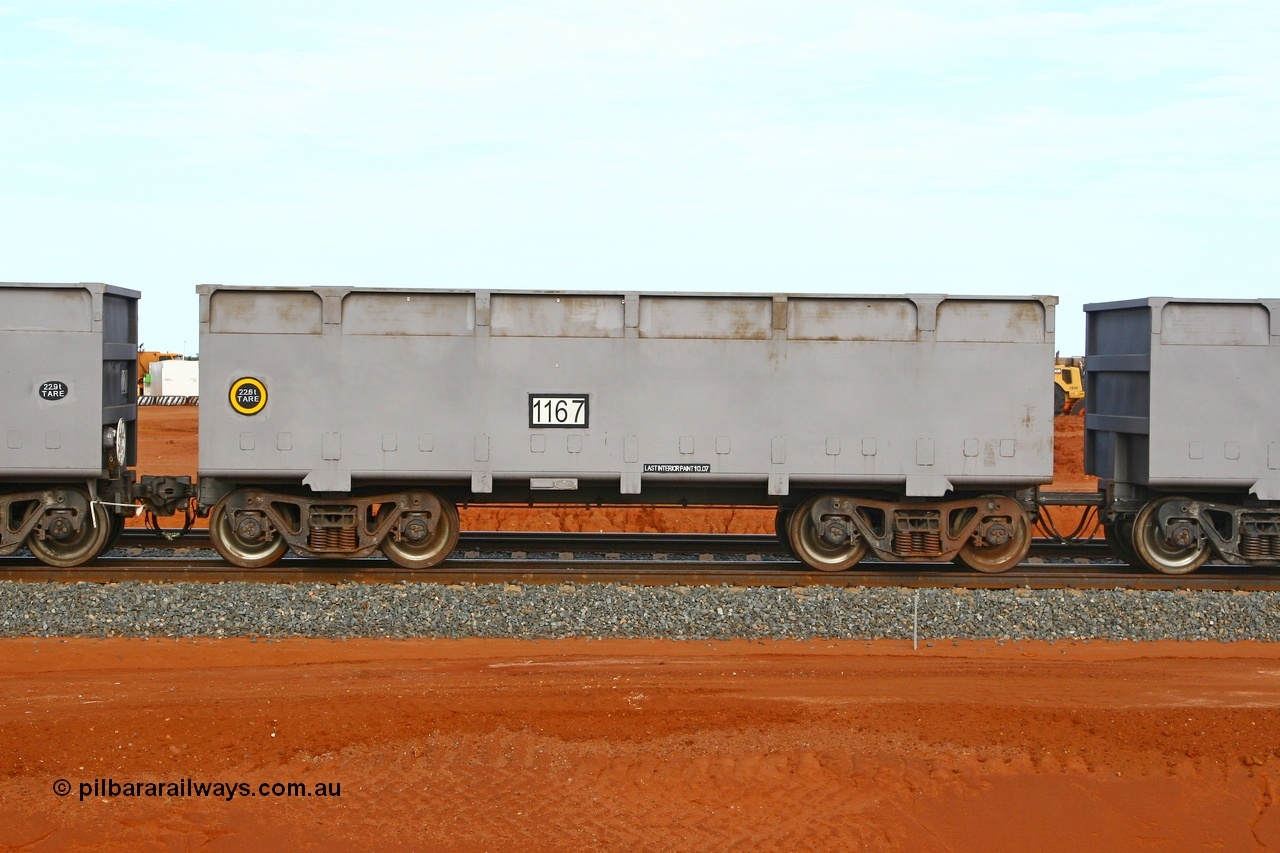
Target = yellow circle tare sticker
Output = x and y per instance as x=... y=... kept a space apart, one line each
x=248 y=395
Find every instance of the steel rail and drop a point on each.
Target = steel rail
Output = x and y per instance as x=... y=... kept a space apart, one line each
x=1036 y=573
x=568 y=544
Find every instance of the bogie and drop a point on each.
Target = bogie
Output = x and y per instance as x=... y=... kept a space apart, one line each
x=254 y=527
x=989 y=533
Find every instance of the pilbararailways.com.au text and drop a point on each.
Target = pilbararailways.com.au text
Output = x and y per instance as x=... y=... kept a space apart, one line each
x=109 y=788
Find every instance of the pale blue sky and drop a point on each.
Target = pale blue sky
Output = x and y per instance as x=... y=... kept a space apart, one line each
x=1094 y=151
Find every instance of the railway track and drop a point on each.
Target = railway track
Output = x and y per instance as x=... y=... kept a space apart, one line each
x=642 y=547
x=640 y=559
x=610 y=543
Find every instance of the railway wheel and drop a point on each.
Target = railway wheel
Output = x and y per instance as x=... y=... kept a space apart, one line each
x=1154 y=547
x=835 y=551
x=56 y=542
x=247 y=540
x=1119 y=536
x=1003 y=546
x=420 y=540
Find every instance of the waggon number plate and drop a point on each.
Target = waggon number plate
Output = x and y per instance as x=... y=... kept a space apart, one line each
x=568 y=411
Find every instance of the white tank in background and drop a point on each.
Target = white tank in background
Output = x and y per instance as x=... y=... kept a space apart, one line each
x=174 y=378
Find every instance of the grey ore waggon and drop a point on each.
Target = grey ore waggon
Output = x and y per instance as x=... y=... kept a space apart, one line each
x=1183 y=429
x=68 y=422
x=339 y=421
x=68 y=411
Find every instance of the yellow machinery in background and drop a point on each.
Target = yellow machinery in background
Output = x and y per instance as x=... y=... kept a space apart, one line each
x=1068 y=385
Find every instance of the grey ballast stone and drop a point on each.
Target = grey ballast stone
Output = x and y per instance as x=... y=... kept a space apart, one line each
x=135 y=609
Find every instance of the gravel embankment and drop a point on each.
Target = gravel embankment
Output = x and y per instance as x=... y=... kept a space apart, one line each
x=611 y=610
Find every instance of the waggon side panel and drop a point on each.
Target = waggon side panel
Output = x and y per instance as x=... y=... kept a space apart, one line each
x=1185 y=394
x=66 y=369
x=922 y=392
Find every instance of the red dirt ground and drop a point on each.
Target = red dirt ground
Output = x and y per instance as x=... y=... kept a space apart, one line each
x=638 y=745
